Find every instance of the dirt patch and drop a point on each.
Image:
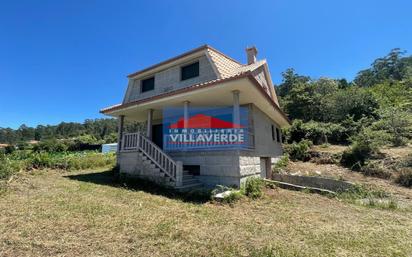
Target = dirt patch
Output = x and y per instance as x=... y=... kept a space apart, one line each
x=333 y=149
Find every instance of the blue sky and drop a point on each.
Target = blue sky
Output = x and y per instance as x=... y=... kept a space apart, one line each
x=64 y=60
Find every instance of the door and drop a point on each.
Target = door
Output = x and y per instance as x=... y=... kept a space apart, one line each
x=157 y=135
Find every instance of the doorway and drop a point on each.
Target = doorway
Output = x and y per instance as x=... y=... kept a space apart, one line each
x=265 y=167
x=157 y=135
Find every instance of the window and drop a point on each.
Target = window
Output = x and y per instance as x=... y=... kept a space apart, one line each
x=277 y=134
x=147 y=85
x=189 y=71
x=273 y=133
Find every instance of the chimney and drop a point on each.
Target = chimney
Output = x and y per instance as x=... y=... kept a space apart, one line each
x=251 y=54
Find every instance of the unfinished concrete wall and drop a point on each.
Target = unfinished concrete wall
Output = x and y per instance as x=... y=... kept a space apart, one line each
x=169 y=80
x=265 y=146
x=216 y=167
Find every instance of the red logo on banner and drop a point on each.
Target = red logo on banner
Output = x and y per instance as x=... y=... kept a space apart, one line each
x=204 y=121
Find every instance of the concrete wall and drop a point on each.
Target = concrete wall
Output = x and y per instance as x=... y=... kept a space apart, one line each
x=132 y=165
x=169 y=80
x=265 y=146
x=317 y=182
x=216 y=167
x=260 y=76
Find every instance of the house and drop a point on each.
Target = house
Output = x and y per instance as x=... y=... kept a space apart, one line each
x=209 y=120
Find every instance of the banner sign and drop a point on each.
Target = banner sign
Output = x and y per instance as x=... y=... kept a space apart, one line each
x=204 y=129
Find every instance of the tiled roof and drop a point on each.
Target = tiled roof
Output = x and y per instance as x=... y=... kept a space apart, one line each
x=227 y=67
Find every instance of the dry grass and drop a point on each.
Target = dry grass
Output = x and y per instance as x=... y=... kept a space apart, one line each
x=330 y=148
x=49 y=214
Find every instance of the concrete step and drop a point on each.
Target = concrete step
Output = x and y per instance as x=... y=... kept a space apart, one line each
x=190 y=181
x=188 y=187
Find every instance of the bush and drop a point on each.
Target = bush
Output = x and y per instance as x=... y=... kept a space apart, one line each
x=281 y=164
x=64 y=161
x=405 y=177
x=9 y=149
x=376 y=169
x=51 y=145
x=234 y=196
x=85 y=142
x=366 y=143
x=7 y=167
x=317 y=132
x=253 y=187
x=299 y=151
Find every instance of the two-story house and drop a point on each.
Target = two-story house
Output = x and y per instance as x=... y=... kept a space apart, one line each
x=201 y=78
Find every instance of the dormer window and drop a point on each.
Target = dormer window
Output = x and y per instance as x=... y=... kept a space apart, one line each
x=190 y=71
x=147 y=84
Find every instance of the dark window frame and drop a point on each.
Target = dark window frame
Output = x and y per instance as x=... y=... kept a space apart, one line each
x=278 y=136
x=273 y=133
x=196 y=72
x=142 y=86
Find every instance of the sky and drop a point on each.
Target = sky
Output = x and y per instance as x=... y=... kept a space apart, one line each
x=64 y=60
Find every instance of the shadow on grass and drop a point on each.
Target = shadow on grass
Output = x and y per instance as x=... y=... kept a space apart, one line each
x=109 y=178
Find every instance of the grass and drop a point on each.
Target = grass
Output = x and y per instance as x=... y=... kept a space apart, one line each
x=26 y=160
x=86 y=214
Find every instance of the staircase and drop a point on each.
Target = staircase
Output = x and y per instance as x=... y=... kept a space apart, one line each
x=158 y=163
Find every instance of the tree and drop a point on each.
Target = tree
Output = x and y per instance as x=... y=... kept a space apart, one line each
x=290 y=79
x=392 y=67
x=354 y=101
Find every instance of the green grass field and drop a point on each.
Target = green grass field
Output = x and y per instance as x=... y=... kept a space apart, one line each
x=85 y=214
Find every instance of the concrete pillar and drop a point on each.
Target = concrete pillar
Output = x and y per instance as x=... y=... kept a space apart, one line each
x=149 y=123
x=186 y=114
x=120 y=125
x=179 y=173
x=236 y=108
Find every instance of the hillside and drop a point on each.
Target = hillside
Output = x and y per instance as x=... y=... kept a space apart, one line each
x=84 y=213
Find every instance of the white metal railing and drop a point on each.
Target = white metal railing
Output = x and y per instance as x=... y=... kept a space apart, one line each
x=138 y=142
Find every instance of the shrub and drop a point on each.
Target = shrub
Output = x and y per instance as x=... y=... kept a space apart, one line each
x=85 y=142
x=51 y=145
x=234 y=196
x=63 y=161
x=376 y=169
x=8 y=167
x=299 y=151
x=405 y=177
x=362 y=192
x=253 y=187
x=317 y=132
x=281 y=164
x=9 y=149
x=366 y=143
